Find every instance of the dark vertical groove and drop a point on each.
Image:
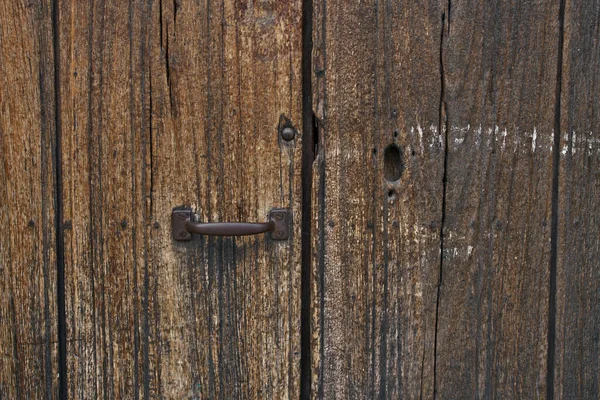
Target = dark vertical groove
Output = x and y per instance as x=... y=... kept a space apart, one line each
x=134 y=166
x=554 y=227
x=321 y=195
x=210 y=241
x=15 y=350
x=308 y=155
x=60 y=245
x=145 y=130
x=443 y=116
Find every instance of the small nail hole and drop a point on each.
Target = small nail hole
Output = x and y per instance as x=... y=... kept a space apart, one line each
x=391 y=194
x=396 y=133
x=374 y=151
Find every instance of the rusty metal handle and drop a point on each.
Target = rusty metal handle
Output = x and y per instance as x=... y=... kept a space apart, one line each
x=229 y=228
x=183 y=225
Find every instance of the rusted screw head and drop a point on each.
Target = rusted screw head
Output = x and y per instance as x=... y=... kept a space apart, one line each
x=288 y=134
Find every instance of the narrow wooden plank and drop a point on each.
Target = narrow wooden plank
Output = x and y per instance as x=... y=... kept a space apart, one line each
x=499 y=66
x=377 y=198
x=577 y=371
x=168 y=104
x=101 y=75
x=28 y=337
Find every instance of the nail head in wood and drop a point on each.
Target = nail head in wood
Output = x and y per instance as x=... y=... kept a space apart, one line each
x=288 y=133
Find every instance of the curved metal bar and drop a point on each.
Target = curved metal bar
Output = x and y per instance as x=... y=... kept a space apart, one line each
x=229 y=228
x=183 y=225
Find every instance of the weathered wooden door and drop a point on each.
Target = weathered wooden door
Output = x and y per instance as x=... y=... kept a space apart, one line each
x=456 y=192
x=441 y=168
x=155 y=105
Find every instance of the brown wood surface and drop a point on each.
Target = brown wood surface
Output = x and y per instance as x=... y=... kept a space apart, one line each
x=480 y=79
x=577 y=371
x=28 y=339
x=164 y=104
x=457 y=143
x=499 y=68
x=376 y=247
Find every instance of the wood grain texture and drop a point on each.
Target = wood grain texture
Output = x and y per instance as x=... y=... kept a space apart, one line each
x=577 y=371
x=168 y=104
x=377 y=208
x=499 y=68
x=28 y=339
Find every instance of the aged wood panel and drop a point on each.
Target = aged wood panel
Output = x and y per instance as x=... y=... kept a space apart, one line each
x=168 y=104
x=28 y=339
x=499 y=68
x=577 y=371
x=377 y=198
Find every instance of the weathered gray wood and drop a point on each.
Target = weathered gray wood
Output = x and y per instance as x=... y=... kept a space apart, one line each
x=376 y=239
x=577 y=371
x=168 y=104
x=499 y=68
x=28 y=338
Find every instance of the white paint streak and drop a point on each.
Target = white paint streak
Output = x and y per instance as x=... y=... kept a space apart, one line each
x=420 y=130
x=478 y=136
x=460 y=135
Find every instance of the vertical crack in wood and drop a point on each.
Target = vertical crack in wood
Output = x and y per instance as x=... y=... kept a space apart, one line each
x=164 y=45
x=308 y=155
x=551 y=338
x=442 y=129
x=146 y=130
x=58 y=216
x=136 y=308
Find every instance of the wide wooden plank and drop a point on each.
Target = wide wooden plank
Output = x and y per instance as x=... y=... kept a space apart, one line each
x=28 y=329
x=577 y=370
x=499 y=67
x=168 y=104
x=377 y=198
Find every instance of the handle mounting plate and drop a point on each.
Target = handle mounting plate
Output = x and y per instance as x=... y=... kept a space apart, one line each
x=281 y=220
x=178 y=220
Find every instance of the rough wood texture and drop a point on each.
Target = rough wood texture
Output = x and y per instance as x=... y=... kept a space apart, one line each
x=577 y=371
x=28 y=349
x=377 y=209
x=499 y=68
x=433 y=198
x=171 y=103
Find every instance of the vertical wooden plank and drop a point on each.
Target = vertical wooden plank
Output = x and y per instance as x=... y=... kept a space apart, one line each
x=102 y=81
x=499 y=66
x=377 y=198
x=577 y=372
x=226 y=96
x=28 y=349
x=168 y=104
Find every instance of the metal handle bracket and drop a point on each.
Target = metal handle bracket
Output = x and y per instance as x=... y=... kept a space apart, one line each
x=183 y=225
